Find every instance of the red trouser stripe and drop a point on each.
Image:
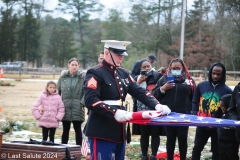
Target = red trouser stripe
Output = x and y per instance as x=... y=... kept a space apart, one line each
x=95 y=148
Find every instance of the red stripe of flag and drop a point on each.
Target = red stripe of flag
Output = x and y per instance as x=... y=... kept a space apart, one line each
x=84 y=149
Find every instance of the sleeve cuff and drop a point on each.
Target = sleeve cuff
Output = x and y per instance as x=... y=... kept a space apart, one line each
x=161 y=90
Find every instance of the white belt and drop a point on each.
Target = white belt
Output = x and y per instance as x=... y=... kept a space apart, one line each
x=115 y=102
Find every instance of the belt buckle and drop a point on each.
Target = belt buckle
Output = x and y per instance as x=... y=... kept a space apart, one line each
x=120 y=103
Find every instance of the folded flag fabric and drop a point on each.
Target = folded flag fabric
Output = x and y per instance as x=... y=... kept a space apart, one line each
x=84 y=149
x=146 y=114
x=179 y=119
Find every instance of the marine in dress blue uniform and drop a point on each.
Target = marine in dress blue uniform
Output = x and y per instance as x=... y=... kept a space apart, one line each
x=105 y=88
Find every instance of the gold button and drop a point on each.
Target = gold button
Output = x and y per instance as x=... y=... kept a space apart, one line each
x=110 y=84
x=111 y=67
x=126 y=85
x=108 y=107
x=114 y=110
x=120 y=82
x=122 y=94
x=117 y=77
x=103 y=105
x=120 y=88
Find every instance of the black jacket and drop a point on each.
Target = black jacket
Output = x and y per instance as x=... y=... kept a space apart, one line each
x=153 y=76
x=234 y=108
x=136 y=69
x=106 y=82
x=178 y=98
x=226 y=134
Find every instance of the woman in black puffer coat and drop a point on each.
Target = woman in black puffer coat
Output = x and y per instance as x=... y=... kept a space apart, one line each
x=177 y=95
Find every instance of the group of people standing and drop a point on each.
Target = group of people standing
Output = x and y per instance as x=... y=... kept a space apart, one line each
x=62 y=102
x=103 y=90
x=177 y=95
x=212 y=98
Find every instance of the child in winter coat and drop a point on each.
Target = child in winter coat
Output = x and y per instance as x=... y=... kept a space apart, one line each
x=227 y=142
x=49 y=110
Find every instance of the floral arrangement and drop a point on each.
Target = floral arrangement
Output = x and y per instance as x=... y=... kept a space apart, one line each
x=5 y=83
x=10 y=126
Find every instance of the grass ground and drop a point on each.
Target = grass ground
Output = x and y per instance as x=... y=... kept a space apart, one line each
x=16 y=102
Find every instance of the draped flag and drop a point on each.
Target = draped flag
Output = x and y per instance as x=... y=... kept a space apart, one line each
x=179 y=119
x=84 y=149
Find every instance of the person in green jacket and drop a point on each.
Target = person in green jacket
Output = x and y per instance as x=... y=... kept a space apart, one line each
x=70 y=87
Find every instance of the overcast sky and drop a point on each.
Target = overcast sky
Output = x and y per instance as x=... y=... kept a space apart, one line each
x=121 y=6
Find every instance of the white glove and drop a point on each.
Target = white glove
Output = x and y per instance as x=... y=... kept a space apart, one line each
x=122 y=116
x=163 y=108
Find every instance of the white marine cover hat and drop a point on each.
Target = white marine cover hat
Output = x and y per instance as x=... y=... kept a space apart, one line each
x=117 y=47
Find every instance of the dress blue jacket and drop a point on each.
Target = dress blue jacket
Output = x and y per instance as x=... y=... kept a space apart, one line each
x=107 y=82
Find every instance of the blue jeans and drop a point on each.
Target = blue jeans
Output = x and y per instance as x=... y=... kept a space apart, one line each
x=106 y=149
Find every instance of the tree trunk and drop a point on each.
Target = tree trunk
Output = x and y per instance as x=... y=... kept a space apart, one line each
x=200 y=26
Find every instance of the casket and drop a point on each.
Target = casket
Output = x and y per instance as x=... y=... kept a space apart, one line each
x=21 y=151
x=1 y=136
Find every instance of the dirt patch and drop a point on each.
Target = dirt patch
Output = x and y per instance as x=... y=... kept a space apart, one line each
x=18 y=100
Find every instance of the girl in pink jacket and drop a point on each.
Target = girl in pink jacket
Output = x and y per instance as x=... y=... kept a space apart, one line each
x=49 y=110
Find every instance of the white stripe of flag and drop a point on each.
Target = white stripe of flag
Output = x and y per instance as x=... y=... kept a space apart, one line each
x=84 y=149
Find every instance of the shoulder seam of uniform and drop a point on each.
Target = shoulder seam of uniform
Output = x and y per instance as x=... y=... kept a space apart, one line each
x=96 y=67
x=100 y=66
